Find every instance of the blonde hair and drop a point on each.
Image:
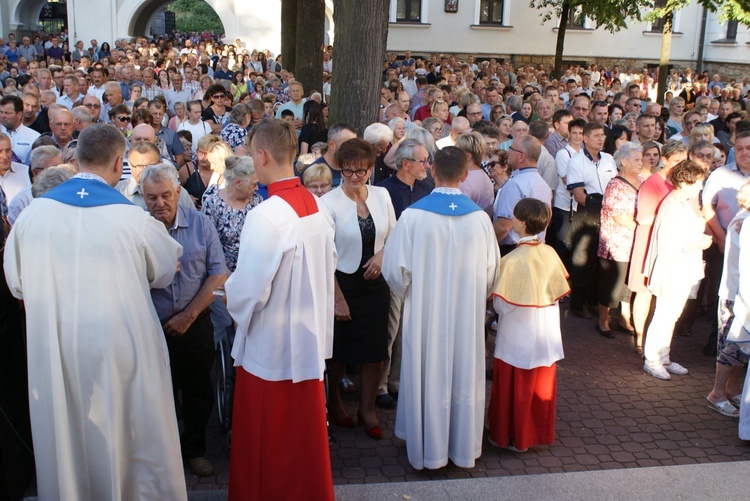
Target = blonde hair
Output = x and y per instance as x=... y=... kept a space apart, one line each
x=474 y=144
x=700 y=129
x=216 y=154
x=277 y=137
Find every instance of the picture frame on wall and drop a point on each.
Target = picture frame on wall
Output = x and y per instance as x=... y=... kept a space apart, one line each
x=451 y=6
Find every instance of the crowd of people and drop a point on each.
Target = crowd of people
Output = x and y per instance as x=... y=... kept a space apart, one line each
x=480 y=197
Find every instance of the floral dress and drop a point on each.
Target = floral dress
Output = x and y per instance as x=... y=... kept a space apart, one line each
x=228 y=221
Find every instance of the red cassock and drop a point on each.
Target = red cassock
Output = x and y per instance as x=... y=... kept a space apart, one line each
x=522 y=405
x=279 y=435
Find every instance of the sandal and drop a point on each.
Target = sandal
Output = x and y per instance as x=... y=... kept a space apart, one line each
x=724 y=408
x=736 y=400
x=639 y=352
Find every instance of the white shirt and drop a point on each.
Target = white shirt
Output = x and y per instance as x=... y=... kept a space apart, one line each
x=21 y=140
x=198 y=131
x=446 y=141
x=591 y=176
x=15 y=180
x=66 y=101
x=563 y=198
x=96 y=91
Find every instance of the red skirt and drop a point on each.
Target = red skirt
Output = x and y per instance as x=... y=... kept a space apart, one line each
x=279 y=441
x=522 y=405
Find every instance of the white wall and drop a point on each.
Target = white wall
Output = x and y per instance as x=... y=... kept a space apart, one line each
x=525 y=34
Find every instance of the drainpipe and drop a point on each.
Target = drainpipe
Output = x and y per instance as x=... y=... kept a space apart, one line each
x=702 y=40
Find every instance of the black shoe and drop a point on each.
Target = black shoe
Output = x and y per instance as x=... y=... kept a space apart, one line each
x=385 y=401
x=608 y=334
x=581 y=314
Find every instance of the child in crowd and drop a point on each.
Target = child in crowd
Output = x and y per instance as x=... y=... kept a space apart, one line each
x=531 y=281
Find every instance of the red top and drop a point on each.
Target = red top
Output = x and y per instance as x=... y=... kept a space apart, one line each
x=292 y=192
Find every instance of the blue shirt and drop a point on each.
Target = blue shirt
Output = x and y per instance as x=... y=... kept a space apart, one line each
x=202 y=257
x=403 y=195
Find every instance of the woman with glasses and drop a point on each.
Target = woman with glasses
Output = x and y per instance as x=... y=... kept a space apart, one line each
x=179 y=116
x=196 y=177
x=435 y=127
x=317 y=179
x=217 y=115
x=120 y=118
x=364 y=217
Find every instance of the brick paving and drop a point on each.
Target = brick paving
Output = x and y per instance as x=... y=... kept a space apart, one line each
x=610 y=414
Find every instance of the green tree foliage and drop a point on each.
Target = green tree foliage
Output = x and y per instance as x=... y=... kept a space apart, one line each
x=195 y=15
x=735 y=10
x=612 y=15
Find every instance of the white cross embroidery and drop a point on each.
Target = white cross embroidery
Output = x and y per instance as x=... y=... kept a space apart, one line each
x=453 y=206
x=82 y=193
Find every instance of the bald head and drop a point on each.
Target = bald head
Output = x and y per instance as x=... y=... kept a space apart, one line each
x=143 y=132
x=459 y=126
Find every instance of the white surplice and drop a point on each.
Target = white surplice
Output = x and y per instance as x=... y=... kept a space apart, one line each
x=102 y=410
x=444 y=267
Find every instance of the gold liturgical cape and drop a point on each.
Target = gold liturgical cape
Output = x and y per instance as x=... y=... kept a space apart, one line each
x=532 y=275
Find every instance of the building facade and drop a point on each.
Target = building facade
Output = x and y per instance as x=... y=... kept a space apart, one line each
x=504 y=28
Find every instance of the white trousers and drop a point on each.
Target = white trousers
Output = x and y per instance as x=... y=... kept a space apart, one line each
x=659 y=332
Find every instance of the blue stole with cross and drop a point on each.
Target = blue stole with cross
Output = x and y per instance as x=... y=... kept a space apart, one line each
x=446 y=204
x=82 y=192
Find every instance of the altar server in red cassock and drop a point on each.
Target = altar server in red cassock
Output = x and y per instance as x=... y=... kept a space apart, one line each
x=281 y=296
x=531 y=281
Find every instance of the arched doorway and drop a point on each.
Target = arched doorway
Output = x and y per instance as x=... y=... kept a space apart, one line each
x=53 y=16
x=136 y=16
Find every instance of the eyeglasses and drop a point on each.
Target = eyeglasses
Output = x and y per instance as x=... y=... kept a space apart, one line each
x=90 y=105
x=139 y=167
x=218 y=96
x=123 y=119
x=517 y=151
x=318 y=187
x=423 y=162
x=350 y=173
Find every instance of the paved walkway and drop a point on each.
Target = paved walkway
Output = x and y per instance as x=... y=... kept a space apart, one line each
x=611 y=415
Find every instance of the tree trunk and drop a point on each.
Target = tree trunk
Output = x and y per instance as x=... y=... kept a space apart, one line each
x=308 y=68
x=564 y=14
x=666 y=48
x=288 y=34
x=361 y=34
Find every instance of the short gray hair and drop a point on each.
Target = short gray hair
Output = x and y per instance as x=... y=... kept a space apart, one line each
x=48 y=179
x=41 y=155
x=238 y=113
x=160 y=172
x=423 y=137
x=377 y=133
x=626 y=151
x=394 y=122
x=238 y=168
x=405 y=151
x=515 y=102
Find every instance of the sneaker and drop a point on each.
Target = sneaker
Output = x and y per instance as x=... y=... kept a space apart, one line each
x=201 y=466
x=659 y=371
x=675 y=368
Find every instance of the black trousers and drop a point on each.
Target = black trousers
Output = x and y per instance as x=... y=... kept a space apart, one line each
x=191 y=357
x=584 y=265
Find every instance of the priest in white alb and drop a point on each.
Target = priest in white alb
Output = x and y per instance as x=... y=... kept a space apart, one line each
x=83 y=258
x=442 y=258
